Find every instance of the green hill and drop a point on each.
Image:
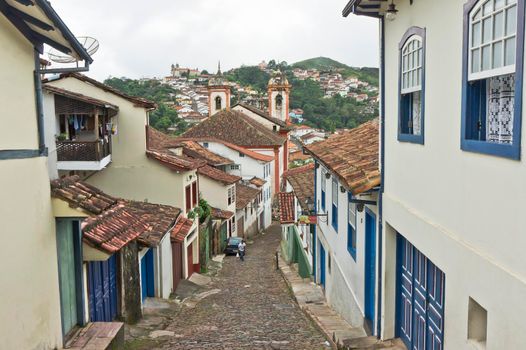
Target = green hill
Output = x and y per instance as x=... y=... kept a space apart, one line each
x=368 y=74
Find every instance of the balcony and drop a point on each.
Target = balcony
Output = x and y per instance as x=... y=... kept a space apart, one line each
x=83 y=155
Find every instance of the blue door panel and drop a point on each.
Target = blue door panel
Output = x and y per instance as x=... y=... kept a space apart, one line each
x=147 y=275
x=370 y=265
x=420 y=307
x=102 y=290
x=322 y=265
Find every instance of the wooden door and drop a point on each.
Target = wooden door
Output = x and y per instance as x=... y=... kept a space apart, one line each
x=102 y=290
x=177 y=263
x=190 y=260
x=322 y=266
x=147 y=275
x=370 y=268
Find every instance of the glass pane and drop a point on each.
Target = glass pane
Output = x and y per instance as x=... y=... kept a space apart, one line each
x=486 y=30
x=497 y=54
x=404 y=64
x=476 y=28
x=414 y=78
x=510 y=52
x=410 y=79
x=487 y=8
x=486 y=57
x=511 y=20
x=419 y=59
x=499 y=4
x=475 y=60
x=413 y=60
x=404 y=85
x=419 y=77
x=498 y=25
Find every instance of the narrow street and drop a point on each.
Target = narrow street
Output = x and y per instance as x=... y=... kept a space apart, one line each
x=253 y=310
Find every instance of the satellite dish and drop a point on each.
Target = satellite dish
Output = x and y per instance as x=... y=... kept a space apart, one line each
x=90 y=44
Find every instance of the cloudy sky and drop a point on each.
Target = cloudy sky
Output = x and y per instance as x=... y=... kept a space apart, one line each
x=142 y=38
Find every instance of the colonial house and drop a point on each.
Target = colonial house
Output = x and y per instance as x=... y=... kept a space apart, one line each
x=347 y=179
x=452 y=233
x=31 y=300
x=120 y=247
x=298 y=235
x=106 y=140
x=249 y=208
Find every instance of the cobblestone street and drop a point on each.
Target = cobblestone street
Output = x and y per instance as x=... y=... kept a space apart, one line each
x=252 y=308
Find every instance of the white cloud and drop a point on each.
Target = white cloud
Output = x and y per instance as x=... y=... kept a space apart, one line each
x=143 y=38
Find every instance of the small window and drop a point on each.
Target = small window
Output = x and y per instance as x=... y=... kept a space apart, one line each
x=323 y=188
x=233 y=225
x=188 y=198
x=279 y=102
x=194 y=194
x=234 y=167
x=477 y=324
x=351 y=228
x=274 y=128
x=412 y=78
x=218 y=103
x=205 y=144
x=242 y=155
x=334 y=214
x=491 y=111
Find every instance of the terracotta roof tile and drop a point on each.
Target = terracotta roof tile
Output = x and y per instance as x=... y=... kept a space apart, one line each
x=256 y=181
x=302 y=181
x=262 y=114
x=81 y=195
x=245 y=195
x=221 y=214
x=298 y=155
x=181 y=230
x=352 y=156
x=245 y=151
x=237 y=128
x=174 y=162
x=218 y=175
x=286 y=207
x=195 y=150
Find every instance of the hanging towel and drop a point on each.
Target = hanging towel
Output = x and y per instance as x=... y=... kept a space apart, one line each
x=76 y=123
x=501 y=98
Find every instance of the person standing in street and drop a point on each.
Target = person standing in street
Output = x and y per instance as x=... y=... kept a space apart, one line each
x=241 y=248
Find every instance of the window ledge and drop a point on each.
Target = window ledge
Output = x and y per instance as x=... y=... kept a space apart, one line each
x=477 y=344
x=418 y=139
x=494 y=149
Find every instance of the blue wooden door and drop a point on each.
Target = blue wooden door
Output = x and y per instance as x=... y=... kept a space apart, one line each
x=420 y=307
x=147 y=275
x=322 y=265
x=102 y=289
x=370 y=268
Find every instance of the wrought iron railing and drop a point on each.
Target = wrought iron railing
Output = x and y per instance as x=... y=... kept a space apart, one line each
x=68 y=151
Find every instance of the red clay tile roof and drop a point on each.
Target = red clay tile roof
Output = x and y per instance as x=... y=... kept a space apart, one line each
x=298 y=155
x=245 y=151
x=114 y=222
x=181 y=230
x=81 y=195
x=302 y=181
x=160 y=219
x=352 y=156
x=79 y=97
x=170 y=160
x=221 y=214
x=195 y=150
x=237 y=128
x=218 y=175
x=138 y=101
x=245 y=195
x=286 y=207
x=262 y=114
x=256 y=181
x=157 y=140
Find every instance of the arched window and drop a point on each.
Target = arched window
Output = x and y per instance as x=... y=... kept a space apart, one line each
x=412 y=78
x=218 y=103
x=279 y=102
x=493 y=61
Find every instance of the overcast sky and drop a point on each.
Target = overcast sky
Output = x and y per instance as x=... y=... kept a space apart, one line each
x=142 y=38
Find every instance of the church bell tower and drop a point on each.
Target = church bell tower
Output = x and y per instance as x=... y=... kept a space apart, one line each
x=218 y=93
x=278 y=97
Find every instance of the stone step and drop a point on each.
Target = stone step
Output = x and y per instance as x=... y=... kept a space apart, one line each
x=372 y=343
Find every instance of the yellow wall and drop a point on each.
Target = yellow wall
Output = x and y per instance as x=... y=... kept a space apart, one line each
x=131 y=174
x=30 y=301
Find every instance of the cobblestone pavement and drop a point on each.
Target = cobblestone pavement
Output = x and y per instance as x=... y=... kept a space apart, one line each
x=253 y=309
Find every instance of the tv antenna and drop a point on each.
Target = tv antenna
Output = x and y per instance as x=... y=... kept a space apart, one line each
x=89 y=43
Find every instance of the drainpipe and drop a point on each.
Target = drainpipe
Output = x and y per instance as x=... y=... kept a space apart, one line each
x=42 y=150
x=382 y=174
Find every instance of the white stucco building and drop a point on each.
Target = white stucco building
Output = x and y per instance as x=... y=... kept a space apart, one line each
x=453 y=271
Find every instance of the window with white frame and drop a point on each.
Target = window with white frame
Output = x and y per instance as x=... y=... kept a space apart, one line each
x=323 y=188
x=351 y=228
x=334 y=214
x=231 y=195
x=491 y=112
x=412 y=71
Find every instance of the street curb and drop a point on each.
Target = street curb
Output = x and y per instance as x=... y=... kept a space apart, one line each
x=303 y=308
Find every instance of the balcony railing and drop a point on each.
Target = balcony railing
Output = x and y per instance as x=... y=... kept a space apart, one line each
x=74 y=151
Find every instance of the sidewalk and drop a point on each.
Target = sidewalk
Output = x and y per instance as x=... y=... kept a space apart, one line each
x=311 y=300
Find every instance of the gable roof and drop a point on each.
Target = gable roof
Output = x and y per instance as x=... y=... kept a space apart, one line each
x=245 y=195
x=40 y=24
x=286 y=207
x=236 y=128
x=181 y=230
x=302 y=181
x=245 y=151
x=262 y=114
x=137 y=101
x=174 y=162
x=352 y=156
x=218 y=175
x=79 y=97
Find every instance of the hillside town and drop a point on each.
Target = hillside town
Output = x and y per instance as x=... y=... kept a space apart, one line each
x=251 y=228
